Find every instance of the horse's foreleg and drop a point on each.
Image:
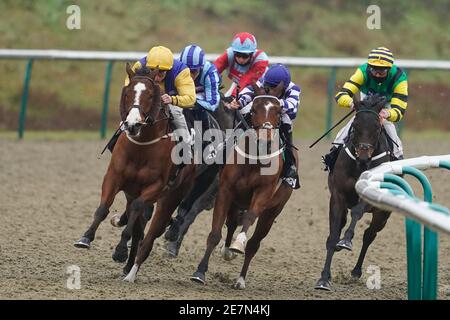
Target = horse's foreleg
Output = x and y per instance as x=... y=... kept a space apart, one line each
x=109 y=191
x=379 y=220
x=356 y=214
x=263 y=226
x=221 y=208
x=338 y=212
x=259 y=203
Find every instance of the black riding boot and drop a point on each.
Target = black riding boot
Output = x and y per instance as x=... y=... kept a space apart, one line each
x=290 y=174
x=330 y=158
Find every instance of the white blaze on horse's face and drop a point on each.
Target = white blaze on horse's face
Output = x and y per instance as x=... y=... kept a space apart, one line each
x=268 y=106
x=134 y=116
x=138 y=88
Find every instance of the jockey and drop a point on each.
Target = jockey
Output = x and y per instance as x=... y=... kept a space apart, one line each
x=379 y=75
x=206 y=79
x=175 y=80
x=244 y=62
x=290 y=100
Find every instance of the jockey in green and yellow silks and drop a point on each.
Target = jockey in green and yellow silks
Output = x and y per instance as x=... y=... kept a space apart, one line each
x=379 y=75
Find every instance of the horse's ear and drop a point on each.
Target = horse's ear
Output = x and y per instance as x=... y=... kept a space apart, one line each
x=130 y=71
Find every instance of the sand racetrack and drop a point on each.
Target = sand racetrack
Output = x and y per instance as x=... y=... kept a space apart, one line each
x=49 y=191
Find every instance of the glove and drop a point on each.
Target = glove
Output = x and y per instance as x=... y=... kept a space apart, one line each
x=384 y=114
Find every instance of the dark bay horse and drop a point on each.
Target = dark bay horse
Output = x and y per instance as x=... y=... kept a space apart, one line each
x=367 y=147
x=203 y=193
x=141 y=167
x=245 y=187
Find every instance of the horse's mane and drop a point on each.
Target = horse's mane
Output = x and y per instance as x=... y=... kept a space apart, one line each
x=373 y=101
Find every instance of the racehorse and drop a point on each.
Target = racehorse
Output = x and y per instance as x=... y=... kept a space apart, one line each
x=203 y=193
x=244 y=187
x=366 y=147
x=141 y=167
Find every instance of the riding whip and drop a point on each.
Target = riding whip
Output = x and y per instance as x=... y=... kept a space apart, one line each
x=329 y=130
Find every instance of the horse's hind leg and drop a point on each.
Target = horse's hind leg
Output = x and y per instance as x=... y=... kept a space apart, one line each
x=109 y=191
x=221 y=208
x=356 y=214
x=262 y=228
x=379 y=220
x=164 y=209
x=138 y=234
x=202 y=185
x=205 y=201
x=135 y=211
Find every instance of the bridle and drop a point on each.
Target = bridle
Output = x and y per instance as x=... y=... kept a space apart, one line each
x=365 y=146
x=267 y=124
x=148 y=119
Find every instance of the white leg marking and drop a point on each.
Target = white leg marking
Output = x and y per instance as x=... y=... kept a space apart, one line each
x=240 y=283
x=131 y=277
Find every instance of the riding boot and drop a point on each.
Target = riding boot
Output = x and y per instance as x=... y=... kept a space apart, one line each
x=179 y=122
x=115 y=137
x=290 y=174
x=330 y=158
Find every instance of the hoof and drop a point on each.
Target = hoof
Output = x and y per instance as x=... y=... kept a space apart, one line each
x=227 y=254
x=323 y=285
x=83 y=243
x=120 y=256
x=240 y=284
x=171 y=249
x=356 y=273
x=198 y=277
x=115 y=221
x=131 y=277
x=173 y=232
x=344 y=244
x=238 y=247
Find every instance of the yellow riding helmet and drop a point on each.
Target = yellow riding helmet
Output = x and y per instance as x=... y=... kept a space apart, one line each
x=160 y=57
x=381 y=57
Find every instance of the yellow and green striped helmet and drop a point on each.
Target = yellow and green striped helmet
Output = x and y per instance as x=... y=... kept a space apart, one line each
x=381 y=57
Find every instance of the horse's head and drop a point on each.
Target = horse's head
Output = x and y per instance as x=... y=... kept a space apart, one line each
x=142 y=99
x=265 y=115
x=367 y=127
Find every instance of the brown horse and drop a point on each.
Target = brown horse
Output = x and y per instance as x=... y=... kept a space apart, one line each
x=245 y=187
x=141 y=167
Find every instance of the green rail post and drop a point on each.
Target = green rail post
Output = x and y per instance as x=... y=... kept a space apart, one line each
x=430 y=245
x=331 y=85
x=413 y=244
x=106 y=99
x=23 y=107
